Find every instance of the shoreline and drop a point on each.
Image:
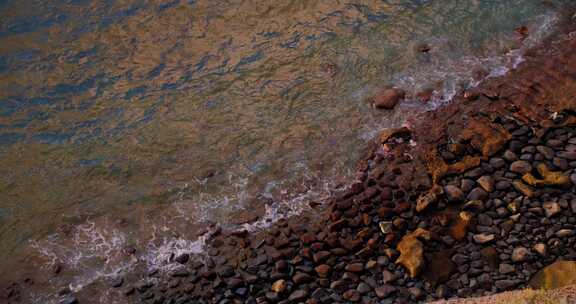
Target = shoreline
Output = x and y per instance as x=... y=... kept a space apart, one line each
x=394 y=179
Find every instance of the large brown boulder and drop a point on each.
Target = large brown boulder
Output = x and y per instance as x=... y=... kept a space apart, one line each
x=388 y=99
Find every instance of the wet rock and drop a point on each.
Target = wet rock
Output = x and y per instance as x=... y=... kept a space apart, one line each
x=541 y=249
x=385 y=227
x=506 y=268
x=298 y=295
x=521 y=167
x=523 y=188
x=117 y=282
x=487 y=183
x=460 y=228
x=416 y=293
x=562 y=233
x=352 y=295
x=477 y=194
x=483 y=238
x=323 y=270
x=388 y=277
x=439 y=268
x=551 y=209
x=426 y=200
x=302 y=278
x=549 y=178
x=520 y=254
x=505 y=284
x=412 y=251
x=388 y=99
x=385 y=291
x=453 y=193
x=363 y=288
x=279 y=286
x=474 y=206
x=355 y=267
x=68 y=299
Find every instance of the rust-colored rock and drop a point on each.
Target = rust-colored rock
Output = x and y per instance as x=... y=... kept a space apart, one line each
x=460 y=228
x=549 y=178
x=388 y=99
x=412 y=251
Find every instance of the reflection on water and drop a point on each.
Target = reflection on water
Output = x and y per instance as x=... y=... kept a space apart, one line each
x=171 y=113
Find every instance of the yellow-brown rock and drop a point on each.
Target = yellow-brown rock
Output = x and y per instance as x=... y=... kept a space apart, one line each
x=557 y=275
x=523 y=188
x=412 y=251
x=549 y=178
x=424 y=201
x=458 y=231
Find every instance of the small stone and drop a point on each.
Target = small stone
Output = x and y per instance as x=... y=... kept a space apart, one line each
x=477 y=194
x=523 y=188
x=497 y=163
x=388 y=99
x=388 y=277
x=117 y=282
x=363 y=288
x=541 y=249
x=551 y=209
x=416 y=293
x=355 y=267
x=483 y=238
x=352 y=295
x=487 y=183
x=466 y=185
x=521 y=167
x=298 y=295
x=385 y=227
x=564 y=233
x=505 y=284
x=459 y=259
x=520 y=254
x=453 y=193
x=279 y=286
x=506 y=268
x=484 y=220
x=546 y=151
x=474 y=205
x=385 y=291
x=323 y=270
x=502 y=185
x=302 y=278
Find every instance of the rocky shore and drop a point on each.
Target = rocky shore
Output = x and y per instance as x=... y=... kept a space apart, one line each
x=471 y=200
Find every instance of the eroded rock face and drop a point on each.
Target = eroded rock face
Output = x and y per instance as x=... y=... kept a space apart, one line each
x=557 y=275
x=412 y=251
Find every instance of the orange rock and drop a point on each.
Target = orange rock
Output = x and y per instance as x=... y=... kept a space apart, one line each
x=412 y=251
x=458 y=231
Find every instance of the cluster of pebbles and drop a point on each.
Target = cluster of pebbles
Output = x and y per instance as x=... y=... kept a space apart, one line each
x=395 y=236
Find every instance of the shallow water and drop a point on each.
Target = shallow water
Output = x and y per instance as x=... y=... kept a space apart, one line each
x=135 y=123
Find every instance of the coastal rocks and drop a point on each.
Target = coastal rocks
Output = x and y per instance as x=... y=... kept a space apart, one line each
x=549 y=178
x=412 y=251
x=520 y=254
x=483 y=238
x=521 y=167
x=551 y=209
x=428 y=199
x=279 y=286
x=453 y=193
x=388 y=99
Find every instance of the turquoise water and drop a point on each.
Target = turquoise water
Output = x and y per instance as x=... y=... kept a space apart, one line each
x=136 y=123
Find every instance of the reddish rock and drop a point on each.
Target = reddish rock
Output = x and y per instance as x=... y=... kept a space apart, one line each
x=323 y=270
x=355 y=267
x=352 y=295
x=388 y=99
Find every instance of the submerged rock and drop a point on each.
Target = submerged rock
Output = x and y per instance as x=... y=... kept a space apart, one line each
x=388 y=99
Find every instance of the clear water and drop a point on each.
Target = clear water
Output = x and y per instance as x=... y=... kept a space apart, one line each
x=137 y=122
